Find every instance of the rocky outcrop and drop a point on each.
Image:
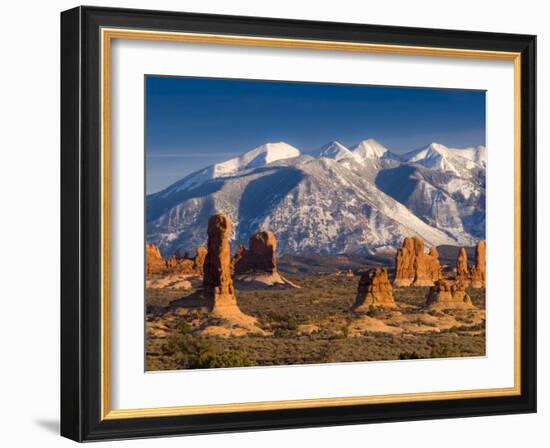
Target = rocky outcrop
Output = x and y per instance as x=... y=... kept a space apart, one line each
x=156 y=265
x=218 y=289
x=414 y=267
x=374 y=290
x=434 y=267
x=462 y=272
x=217 y=281
x=404 y=263
x=477 y=271
x=188 y=265
x=448 y=294
x=258 y=263
x=427 y=267
x=198 y=261
x=473 y=275
x=260 y=256
x=237 y=257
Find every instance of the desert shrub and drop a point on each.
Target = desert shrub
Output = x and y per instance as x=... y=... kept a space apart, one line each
x=373 y=311
x=184 y=327
x=323 y=301
x=345 y=331
x=227 y=358
x=440 y=351
x=409 y=355
x=336 y=336
x=187 y=346
x=273 y=316
x=292 y=324
x=476 y=327
x=283 y=326
x=195 y=352
x=162 y=297
x=285 y=332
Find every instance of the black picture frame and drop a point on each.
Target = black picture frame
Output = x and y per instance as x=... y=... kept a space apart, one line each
x=81 y=228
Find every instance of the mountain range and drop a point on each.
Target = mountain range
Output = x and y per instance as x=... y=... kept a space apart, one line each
x=335 y=199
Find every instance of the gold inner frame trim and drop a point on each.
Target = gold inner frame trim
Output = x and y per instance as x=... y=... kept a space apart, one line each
x=107 y=35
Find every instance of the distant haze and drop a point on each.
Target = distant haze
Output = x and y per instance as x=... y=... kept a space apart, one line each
x=192 y=123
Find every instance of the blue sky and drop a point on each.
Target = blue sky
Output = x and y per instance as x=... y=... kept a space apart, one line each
x=194 y=122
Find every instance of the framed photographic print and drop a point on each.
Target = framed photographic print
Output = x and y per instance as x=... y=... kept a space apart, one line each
x=276 y=224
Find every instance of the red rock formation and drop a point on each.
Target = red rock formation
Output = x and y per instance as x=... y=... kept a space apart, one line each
x=414 y=267
x=237 y=257
x=154 y=263
x=374 y=290
x=462 y=273
x=218 y=284
x=427 y=267
x=460 y=296
x=474 y=275
x=404 y=263
x=198 y=261
x=258 y=263
x=434 y=267
x=477 y=271
x=217 y=281
x=261 y=255
x=447 y=294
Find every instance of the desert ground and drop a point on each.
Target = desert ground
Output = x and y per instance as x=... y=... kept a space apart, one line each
x=308 y=325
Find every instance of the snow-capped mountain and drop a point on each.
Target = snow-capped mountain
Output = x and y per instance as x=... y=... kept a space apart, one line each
x=476 y=154
x=369 y=149
x=331 y=200
x=461 y=162
x=255 y=158
x=333 y=150
x=453 y=204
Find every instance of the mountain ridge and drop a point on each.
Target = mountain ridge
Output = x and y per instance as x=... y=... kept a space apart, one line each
x=331 y=200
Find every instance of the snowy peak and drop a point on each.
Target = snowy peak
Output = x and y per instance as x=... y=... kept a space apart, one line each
x=335 y=201
x=459 y=162
x=369 y=149
x=428 y=155
x=333 y=150
x=481 y=155
x=257 y=157
x=476 y=154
